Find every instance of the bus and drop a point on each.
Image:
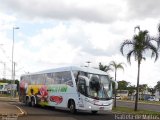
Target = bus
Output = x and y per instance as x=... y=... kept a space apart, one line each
x=74 y=88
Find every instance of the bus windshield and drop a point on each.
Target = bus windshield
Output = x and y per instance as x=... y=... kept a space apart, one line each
x=96 y=86
x=100 y=87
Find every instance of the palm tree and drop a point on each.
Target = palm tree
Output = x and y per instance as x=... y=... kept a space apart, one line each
x=159 y=34
x=157 y=87
x=142 y=89
x=105 y=68
x=140 y=44
x=116 y=66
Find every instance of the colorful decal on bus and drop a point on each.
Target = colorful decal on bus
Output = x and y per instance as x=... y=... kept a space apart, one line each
x=55 y=89
x=43 y=94
x=56 y=99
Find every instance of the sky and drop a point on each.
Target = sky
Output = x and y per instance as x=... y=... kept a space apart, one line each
x=56 y=33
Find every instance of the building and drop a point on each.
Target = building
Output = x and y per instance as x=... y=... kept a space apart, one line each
x=7 y=88
x=3 y=88
x=123 y=94
x=157 y=95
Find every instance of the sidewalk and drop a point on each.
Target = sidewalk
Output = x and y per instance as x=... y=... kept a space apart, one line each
x=9 y=99
x=9 y=109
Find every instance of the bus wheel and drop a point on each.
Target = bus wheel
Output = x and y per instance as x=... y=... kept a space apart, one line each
x=27 y=102
x=94 y=112
x=72 y=107
x=33 y=102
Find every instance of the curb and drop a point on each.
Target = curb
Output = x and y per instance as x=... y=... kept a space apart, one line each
x=22 y=111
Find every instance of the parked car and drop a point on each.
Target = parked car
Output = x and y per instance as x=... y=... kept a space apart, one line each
x=118 y=97
x=153 y=99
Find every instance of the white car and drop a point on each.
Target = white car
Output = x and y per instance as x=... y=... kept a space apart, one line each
x=153 y=99
x=118 y=97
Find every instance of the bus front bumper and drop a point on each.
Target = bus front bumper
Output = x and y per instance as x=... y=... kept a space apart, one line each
x=99 y=106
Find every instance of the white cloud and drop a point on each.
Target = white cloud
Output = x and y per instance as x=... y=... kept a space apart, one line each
x=141 y=9
x=88 y=10
x=79 y=31
x=6 y=21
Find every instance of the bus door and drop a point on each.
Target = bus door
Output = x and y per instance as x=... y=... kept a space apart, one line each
x=82 y=91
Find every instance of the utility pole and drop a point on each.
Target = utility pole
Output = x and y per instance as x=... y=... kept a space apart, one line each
x=13 y=63
x=4 y=71
x=14 y=73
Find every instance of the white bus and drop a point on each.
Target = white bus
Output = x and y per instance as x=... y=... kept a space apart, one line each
x=76 y=88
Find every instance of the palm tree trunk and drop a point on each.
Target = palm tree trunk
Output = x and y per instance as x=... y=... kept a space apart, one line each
x=137 y=89
x=115 y=92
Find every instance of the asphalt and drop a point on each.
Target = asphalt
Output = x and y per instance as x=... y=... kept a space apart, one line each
x=12 y=108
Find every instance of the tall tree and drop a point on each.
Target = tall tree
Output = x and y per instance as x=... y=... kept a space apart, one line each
x=159 y=35
x=105 y=68
x=140 y=44
x=115 y=66
x=142 y=90
x=157 y=87
x=122 y=85
x=131 y=89
x=152 y=90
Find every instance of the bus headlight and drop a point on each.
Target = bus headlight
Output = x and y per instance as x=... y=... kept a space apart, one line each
x=90 y=107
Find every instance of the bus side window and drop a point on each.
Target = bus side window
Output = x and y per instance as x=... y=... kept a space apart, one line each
x=49 y=77
x=66 y=76
x=58 y=78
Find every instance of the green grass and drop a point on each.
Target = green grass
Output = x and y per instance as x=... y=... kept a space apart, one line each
x=5 y=95
x=146 y=102
x=150 y=102
x=131 y=111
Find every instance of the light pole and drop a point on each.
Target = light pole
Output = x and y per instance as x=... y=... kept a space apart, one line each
x=88 y=63
x=13 y=77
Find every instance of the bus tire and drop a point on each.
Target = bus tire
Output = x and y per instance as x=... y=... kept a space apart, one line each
x=33 y=104
x=72 y=107
x=94 y=112
x=28 y=103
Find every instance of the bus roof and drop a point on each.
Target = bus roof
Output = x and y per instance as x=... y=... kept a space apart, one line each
x=74 y=68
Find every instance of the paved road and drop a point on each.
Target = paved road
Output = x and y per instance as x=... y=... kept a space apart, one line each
x=140 y=106
x=49 y=114
x=40 y=113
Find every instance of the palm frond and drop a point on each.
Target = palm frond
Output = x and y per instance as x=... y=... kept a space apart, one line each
x=116 y=65
x=108 y=68
x=120 y=66
x=154 y=51
x=137 y=27
x=159 y=27
x=126 y=42
x=158 y=40
x=129 y=56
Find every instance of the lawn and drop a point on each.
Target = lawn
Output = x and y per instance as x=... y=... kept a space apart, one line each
x=5 y=95
x=150 y=102
x=127 y=110
x=145 y=102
